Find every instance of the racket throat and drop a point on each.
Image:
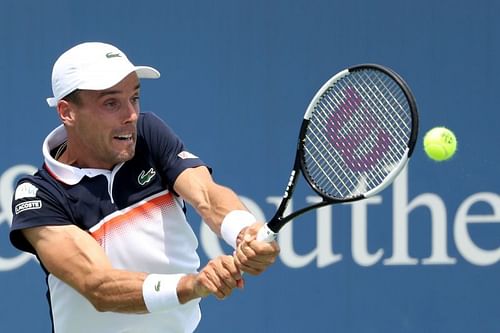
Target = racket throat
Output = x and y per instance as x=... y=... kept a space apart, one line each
x=278 y=221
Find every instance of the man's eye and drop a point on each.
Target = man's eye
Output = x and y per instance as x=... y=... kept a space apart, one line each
x=110 y=104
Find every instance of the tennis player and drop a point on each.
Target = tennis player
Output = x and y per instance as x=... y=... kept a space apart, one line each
x=105 y=215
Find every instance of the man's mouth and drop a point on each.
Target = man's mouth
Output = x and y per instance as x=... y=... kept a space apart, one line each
x=125 y=137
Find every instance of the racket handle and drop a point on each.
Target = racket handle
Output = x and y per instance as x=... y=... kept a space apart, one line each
x=266 y=235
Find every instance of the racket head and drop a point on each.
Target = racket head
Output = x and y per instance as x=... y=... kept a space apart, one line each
x=358 y=133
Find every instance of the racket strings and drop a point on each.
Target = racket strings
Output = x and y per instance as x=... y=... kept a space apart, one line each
x=370 y=143
x=322 y=152
x=357 y=134
x=395 y=118
x=403 y=119
x=323 y=174
x=364 y=148
x=362 y=132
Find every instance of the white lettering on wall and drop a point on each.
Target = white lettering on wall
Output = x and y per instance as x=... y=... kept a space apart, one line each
x=401 y=210
x=359 y=233
x=465 y=245
x=322 y=253
x=7 y=182
x=402 y=207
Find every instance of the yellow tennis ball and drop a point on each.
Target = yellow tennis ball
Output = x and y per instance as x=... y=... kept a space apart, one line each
x=440 y=143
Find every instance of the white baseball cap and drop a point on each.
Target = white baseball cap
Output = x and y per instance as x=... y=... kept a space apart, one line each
x=92 y=66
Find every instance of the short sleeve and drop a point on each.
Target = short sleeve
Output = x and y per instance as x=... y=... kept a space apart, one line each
x=35 y=204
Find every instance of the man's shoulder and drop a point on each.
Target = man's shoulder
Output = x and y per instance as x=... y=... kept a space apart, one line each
x=29 y=185
x=148 y=118
x=151 y=120
x=154 y=132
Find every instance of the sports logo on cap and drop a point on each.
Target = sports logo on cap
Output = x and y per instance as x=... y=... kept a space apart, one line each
x=110 y=55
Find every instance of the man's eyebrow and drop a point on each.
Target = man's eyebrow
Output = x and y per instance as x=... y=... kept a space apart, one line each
x=112 y=92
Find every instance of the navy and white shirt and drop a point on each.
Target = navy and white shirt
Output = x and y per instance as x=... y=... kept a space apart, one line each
x=131 y=211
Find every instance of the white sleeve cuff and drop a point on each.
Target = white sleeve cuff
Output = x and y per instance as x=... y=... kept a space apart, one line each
x=160 y=291
x=233 y=223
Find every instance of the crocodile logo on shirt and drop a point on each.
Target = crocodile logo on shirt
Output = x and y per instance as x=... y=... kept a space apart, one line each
x=145 y=177
x=157 y=286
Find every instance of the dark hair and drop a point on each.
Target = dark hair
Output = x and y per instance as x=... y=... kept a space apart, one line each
x=73 y=97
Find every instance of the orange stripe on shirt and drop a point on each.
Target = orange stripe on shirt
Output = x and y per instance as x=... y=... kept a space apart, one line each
x=131 y=215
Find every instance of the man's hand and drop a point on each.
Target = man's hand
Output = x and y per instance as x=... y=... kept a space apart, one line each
x=252 y=256
x=219 y=277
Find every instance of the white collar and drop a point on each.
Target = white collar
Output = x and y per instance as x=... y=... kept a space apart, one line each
x=63 y=172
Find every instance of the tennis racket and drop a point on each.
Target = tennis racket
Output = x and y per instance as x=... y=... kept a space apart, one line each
x=358 y=133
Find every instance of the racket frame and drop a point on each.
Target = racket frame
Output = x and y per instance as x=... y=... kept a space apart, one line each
x=270 y=230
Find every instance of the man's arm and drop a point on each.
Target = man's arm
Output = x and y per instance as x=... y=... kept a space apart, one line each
x=73 y=256
x=214 y=202
x=211 y=200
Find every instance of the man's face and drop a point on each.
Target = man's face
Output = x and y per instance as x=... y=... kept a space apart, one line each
x=104 y=130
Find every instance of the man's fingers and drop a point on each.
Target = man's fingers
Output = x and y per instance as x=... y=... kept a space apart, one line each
x=220 y=277
x=255 y=255
x=204 y=285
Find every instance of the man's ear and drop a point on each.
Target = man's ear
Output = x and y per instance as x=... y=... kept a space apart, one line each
x=66 y=112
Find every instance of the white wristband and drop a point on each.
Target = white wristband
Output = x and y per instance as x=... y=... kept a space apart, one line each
x=160 y=291
x=233 y=223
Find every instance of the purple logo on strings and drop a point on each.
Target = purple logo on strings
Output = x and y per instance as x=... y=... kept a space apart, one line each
x=348 y=144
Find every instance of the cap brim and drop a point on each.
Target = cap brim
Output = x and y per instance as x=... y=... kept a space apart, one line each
x=146 y=72
x=143 y=72
x=52 y=102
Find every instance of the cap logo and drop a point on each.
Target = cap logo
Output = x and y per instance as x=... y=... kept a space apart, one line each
x=110 y=55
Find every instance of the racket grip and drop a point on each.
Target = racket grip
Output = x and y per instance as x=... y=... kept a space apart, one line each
x=266 y=235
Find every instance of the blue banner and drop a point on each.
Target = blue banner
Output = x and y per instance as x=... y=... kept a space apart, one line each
x=422 y=256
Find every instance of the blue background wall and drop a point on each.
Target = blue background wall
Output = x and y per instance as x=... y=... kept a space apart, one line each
x=237 y=76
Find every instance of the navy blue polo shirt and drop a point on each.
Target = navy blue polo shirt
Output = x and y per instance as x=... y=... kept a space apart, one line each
x=131 y=211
